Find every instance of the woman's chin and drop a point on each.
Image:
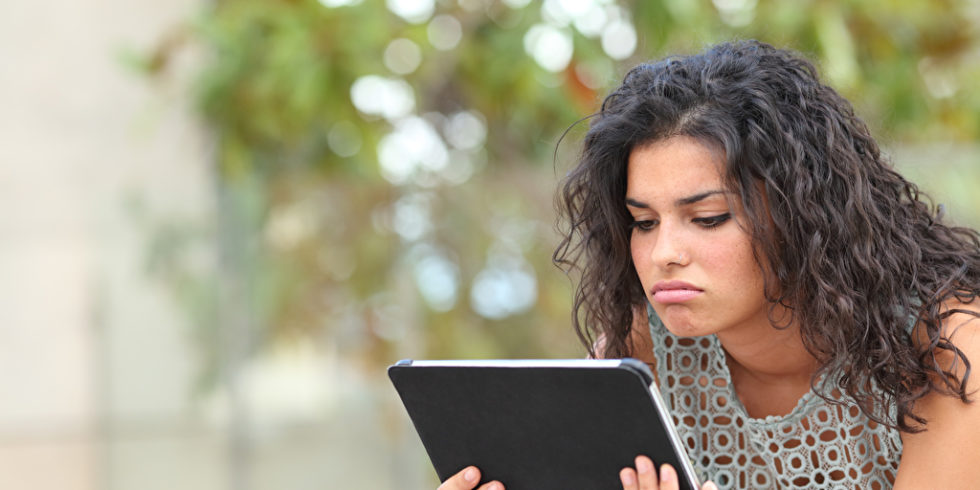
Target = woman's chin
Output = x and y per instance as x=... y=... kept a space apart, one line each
x=685 y=327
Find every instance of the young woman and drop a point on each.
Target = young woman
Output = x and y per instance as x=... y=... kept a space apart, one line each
x=810 y=319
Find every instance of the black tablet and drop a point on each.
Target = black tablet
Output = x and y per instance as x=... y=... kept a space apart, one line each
x=539 y=424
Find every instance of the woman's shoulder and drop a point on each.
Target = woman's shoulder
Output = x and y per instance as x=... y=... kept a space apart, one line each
x=960 y=328
x=961 y=314
x=944 y=454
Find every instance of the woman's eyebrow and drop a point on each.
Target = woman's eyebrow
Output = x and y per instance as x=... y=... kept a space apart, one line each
x=687 y=201
x=684 y=201
x=633 y=203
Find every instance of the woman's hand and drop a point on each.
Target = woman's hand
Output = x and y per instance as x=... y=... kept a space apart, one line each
x=467 y=479
x=644 y=477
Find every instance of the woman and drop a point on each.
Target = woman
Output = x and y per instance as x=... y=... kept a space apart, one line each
x=810 y=319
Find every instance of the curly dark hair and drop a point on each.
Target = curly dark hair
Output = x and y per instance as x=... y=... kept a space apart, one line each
x=854 y=251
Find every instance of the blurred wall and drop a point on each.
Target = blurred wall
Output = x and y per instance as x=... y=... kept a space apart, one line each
x=97 y=367
x=81 y=137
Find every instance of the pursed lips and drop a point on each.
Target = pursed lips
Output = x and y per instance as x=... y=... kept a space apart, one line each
x=674 y=292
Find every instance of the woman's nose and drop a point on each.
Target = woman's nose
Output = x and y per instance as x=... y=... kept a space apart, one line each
x=669 y=248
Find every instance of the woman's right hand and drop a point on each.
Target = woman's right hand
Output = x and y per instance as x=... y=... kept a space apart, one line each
x=467 y=479
x=644 y=477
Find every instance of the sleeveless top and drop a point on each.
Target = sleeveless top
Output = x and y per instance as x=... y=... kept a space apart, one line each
x=817 y=445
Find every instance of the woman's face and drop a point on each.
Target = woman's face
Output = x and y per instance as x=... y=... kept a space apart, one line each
x=694 y=260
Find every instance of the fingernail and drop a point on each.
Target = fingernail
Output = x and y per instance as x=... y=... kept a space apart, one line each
x=493 y=486
x=666 y=473
x=470 y=475
x=627 y=477
x=643 y=465
x=710 y=486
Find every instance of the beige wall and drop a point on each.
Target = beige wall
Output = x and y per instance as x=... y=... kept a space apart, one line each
x=96 y=367
x=79 y=134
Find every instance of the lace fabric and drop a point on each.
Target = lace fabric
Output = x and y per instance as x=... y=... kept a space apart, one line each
x=816 y=445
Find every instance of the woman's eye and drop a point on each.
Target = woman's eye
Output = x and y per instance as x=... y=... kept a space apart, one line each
x=712 y=221
x=643 y=225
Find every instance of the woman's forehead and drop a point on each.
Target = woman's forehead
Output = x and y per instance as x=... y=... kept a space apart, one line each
x=676 y=166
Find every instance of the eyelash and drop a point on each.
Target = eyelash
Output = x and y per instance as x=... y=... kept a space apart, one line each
x=706 y=222
x=645 y=225
x=713 y=221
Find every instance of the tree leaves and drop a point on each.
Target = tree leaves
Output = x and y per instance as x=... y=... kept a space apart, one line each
x=276 y=91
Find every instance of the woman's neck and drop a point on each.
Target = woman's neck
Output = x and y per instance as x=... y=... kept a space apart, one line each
x=774 y=356
x=770 y=368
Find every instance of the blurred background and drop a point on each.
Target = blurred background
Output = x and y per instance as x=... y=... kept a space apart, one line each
x=222 y=220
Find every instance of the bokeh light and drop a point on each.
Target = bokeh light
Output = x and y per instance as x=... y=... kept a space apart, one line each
x=466 y=130
x=437 y=278
x=444 y=32
x=414 y=11
x=506 y=286
x=551 y=47
x=412 y=148
x=619 y=39
x=736 y=13
x=402 y=56
x=391 y=98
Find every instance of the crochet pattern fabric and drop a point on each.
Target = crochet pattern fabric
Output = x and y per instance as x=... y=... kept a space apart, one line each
x=817 y=445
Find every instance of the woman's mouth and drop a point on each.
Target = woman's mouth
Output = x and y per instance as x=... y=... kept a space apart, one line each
x=674 y=292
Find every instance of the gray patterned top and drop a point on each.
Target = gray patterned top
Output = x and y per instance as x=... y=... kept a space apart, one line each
x=817 y=445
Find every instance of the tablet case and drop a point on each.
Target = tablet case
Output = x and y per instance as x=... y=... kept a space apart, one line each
x=539 y=427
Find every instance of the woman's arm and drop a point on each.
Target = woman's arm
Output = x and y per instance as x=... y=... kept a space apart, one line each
x=947 y=454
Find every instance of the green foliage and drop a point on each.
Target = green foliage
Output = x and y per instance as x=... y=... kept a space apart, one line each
x=334 y=252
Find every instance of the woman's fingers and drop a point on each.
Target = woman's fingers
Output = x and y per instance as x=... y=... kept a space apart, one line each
x=668 y=478
x=645 y=477
x=646 y=473
x=466 y=479
x=627 y=476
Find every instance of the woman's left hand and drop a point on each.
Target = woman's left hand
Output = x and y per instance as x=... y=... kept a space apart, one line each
x=644 y=477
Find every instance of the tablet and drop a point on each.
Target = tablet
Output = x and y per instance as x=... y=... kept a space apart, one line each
x=534 y=424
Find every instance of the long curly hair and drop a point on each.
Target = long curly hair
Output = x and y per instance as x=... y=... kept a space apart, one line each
x=855 y=252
